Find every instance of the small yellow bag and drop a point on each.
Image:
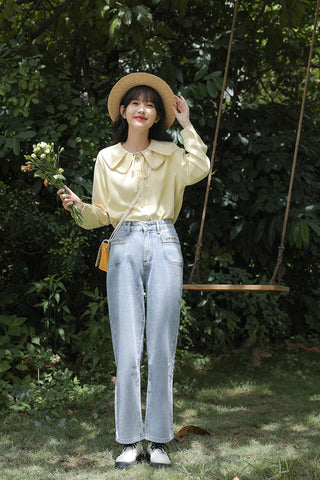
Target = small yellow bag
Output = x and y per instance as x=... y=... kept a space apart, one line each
x=103 y=256
x=104 y=249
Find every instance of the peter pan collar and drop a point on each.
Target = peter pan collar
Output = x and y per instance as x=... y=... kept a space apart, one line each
x=118 y=158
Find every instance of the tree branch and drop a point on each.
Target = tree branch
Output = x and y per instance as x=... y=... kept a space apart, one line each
x=51 y=19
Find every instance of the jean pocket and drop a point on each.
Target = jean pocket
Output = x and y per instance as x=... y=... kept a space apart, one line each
x=118 y=249
x=171 y=249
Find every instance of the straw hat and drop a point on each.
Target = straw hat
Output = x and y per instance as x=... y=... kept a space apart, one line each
x=140 y=78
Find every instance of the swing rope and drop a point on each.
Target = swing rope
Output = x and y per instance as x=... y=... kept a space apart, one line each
x=195 y=267
x=271 y=286
x=281 y=247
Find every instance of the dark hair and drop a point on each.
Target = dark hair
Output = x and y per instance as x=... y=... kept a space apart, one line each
x=147 y=94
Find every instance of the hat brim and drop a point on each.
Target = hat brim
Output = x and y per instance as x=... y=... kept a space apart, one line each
x=141 y=78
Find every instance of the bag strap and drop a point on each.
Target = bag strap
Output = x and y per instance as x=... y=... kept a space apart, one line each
x=130 y=207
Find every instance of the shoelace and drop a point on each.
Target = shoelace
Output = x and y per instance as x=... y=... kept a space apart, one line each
x=156 y=446
x=130 y=445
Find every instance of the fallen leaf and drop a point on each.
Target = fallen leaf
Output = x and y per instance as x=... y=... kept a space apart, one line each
x=313 y=349
x=264 y=354
x=296 y=446
x=296 y=346
x=192 y=430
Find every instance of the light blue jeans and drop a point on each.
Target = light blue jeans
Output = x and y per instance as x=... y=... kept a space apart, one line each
x=145 y=260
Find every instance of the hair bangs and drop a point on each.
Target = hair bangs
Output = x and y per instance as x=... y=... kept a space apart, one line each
x=146 y=94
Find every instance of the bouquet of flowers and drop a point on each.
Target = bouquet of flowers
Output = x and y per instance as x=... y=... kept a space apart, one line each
x=44 y=162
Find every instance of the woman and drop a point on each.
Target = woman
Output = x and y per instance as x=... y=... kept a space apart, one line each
x=145 y=257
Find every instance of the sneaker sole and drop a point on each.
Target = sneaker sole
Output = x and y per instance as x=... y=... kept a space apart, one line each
x=157 y=465
x=125 y=465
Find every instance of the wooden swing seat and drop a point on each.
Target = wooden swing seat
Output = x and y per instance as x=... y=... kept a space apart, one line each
x=242 y=287
x=237 y=287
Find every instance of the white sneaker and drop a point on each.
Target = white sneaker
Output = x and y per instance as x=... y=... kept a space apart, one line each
x=157 y=455
x=130 y=455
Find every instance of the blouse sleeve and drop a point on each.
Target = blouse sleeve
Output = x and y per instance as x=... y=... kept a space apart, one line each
x=195 y=163
x=95 y=214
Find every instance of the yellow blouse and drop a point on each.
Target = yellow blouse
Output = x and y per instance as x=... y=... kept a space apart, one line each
x=119 y=174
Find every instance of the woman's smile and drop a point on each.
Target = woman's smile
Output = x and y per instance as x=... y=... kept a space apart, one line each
x=139 y=118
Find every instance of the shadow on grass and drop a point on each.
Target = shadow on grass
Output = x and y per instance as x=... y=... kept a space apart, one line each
x=265 y=420
x=264 y=424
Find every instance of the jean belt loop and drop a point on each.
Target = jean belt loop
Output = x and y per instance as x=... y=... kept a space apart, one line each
x=158 y=227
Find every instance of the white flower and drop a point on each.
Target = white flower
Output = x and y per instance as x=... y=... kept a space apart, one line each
x=55 y=358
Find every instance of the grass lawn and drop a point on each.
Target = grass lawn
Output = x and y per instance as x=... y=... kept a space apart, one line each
x=264 y=424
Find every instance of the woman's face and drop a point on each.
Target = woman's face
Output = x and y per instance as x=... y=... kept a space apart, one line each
x=140 y=114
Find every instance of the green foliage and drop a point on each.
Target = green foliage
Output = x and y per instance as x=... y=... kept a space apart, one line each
x=58 y=64
x=17 y=341
x=57 y=315
x=223 y=319
x=93 y=343
x=55 y=391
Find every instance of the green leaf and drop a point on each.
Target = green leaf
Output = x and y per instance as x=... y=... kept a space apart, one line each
x=4 y=367
x=237 y=229
x=45 y=306
x=201 y=73
x=213 y=92
x=202 y=89
x=304 y=232
x=16 y=146
x=143 y=15
x=213 y=75
x=62 y=334
x=50 y=109
x=62 y=286
x=125 y=15
x=297 y=236
x=24 y=135
x=114 y=28
x=179 y=75
x=315 y=227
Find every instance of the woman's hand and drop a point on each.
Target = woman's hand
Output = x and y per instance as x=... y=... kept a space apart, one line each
x=181 y=111
x=69 y=198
